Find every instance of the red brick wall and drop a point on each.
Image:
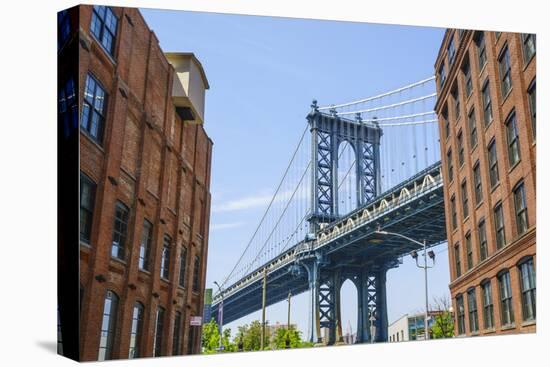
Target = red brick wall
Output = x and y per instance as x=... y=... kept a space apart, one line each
x=517 y=246
x=156 y=165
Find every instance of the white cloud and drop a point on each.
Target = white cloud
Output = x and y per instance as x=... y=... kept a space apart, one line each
x=260 y=200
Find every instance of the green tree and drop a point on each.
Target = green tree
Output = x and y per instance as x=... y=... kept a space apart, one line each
x=285 y=338
x=211 y=339
x=443 y=324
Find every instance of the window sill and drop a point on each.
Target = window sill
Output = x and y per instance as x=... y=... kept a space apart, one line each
x=487 y=124
x=495 y=187
x=144 y=271
x=478 y=205
x=483 y=68
x=85 y=244
x=508 y=327
x=529 y=323
x=473 y=148
x=514 y=166
x=506 y=96
x=489 y=331
x=167 y=281
x=120 y=261
x=526 y=63
x=92 y=140
x=465 y=219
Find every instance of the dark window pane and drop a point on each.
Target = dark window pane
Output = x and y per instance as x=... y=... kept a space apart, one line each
x=145 y=245
x=159 y=330
x=507 y=310
x=87 y=199
x=196 y=274
x=93 y=108
x=520 y=203
x=472 y=311
x=499 y=226
x=483 y=252
x=488 y=314
x=493 y=164
x=165 y=258
x=528 y=290
x=136 y=331
x=183 y=262
x=505 y=72
x=104 y=27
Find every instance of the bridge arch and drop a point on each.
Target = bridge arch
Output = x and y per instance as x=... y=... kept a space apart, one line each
x=347 y=177
x=348 y=310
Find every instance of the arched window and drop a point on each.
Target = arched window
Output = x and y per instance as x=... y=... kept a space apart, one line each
x=460 y=314
x=136 y=331
x=528 y=289
x=506 y=305
x=487 y=296
x=108 y=326
x=159 y=330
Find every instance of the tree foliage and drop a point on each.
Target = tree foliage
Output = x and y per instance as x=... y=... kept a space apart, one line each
x=443 y=324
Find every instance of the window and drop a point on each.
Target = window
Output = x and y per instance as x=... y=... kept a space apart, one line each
x=94 y=107
x=87 y=199
x=456 y=100
x=493 y=163
x=196 y=274
x=67 y=107
x=482 y=240
x=467 y=72
x=165 y=258
x=505 y=71
x=487 y=107
x=145 y=245
x=445 y=114
x=458 y=265
x=477 y=183
x=450 y=164
x=506 y=306
x=520 y=203
x=451 y=50
x=497 y=35
x=472 y=311
x=488 y=314
x=469 y=251
x=473 y=128
x=513 y=139
x=532 y=95
x=499 y=226
x=104 y=27
x=481 y=52
x=176 y=342
x=464 y=192
x=108 y=326
x=120 y=228
x=441 y=73
x=460 y=314
x=528 y=290
x=159 y=329
x=460 y=142
x=63 y=28
x=183 y=262
x=453 y=212
x=529 y=46
x=136 y=331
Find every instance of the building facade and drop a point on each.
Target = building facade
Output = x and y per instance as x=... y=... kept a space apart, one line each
x=144 y=185
x=410 y=327
x=486 y=107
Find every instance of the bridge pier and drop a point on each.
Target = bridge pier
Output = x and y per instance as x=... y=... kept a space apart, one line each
x=372 y=306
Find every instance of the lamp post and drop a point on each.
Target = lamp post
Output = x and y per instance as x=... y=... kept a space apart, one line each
x=220 y=314
x=414 y=254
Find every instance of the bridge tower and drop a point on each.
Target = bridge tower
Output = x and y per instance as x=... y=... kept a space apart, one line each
x=328 y=131
x=325 y=279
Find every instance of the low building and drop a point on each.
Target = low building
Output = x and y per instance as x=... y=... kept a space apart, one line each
x=410 y=327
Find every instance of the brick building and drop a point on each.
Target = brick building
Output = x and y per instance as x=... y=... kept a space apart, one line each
x=486 y=108
x=144 y=183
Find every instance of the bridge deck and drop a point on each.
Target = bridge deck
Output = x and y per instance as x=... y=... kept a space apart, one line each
x=414 y=208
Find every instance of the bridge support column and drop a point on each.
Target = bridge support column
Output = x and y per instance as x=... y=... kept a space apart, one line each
x=329 y=305
x=313 y=281
x=372 y=318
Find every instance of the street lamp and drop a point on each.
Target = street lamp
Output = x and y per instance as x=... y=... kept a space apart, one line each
x=414 y=255
x=220 y=314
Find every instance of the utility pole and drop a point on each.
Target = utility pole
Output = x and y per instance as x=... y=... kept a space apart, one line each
x=264 y=289
x=288 y=321
x=426 y=330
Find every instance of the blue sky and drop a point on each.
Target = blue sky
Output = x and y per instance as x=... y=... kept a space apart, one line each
x=264 y=73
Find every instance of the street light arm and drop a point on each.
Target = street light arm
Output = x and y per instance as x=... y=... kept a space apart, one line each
x=400 y=235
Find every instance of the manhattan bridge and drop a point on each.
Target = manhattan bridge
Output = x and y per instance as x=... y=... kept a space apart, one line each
x=359 y=168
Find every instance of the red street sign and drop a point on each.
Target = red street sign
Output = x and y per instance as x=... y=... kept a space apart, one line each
x=195 y=321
